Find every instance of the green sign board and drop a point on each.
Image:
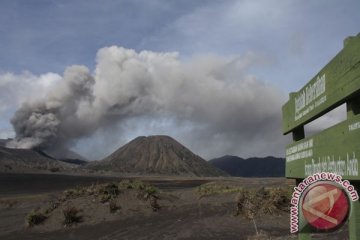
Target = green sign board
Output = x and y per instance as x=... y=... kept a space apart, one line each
x=336 y=149
x=337 y=81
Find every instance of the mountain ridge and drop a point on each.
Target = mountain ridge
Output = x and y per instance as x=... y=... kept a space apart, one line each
x=24 y=160
x=251 y=167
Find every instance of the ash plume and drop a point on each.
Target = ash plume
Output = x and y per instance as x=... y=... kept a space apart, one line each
x=53 y=120
x=216 y=97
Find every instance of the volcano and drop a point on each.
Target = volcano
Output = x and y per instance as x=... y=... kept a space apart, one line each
x=156 y=155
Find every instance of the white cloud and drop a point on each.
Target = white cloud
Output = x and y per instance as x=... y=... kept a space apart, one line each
x=329 y=119
x=17 y=88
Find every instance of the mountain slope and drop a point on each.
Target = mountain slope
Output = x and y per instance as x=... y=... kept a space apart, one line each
x=252 y=167
x=3 y=142
x=23 y=160
x=156 y=155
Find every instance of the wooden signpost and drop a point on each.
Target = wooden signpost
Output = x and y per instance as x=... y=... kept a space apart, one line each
x=336 y=149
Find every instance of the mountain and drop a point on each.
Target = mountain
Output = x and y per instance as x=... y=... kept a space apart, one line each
x=3 y=142
x=251 y=167
x=156 y=155
x=25 y=160
x=65 y=154
x=74 y=161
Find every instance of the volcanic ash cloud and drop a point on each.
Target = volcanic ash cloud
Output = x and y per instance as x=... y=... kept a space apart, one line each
x=215 y=96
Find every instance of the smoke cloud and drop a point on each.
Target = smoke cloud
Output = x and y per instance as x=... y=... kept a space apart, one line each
x=211 y=103
x=53 y=121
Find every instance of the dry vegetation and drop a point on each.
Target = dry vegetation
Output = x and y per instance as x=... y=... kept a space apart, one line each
x=265 y=200
x=222 y=208
x=71 y=202
x=71 y=215
x=35 y=218
x=74 y=205
x=8 y=203
x=251 y=203
x=235 y=208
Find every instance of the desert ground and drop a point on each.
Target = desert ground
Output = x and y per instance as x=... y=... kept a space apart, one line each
x=115 y=207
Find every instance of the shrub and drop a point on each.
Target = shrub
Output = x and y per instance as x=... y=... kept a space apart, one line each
x=252 y=202
x=105 y=198
x=110 y=189
x=113 y=207
x=54 y=169
x=146 y=192
x=150 y=189
x=138 y=185
x=154 y=204
x=8 y=167
x=78 y=191
x=71 y=215
x=125 y=184
x=52 y=206
x=35 y=218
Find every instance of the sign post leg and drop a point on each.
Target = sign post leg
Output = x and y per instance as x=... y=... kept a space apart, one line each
x=304 y=236
x=354 y=220
x=303 y=233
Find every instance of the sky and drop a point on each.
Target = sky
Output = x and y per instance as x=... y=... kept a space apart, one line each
x=91 y=75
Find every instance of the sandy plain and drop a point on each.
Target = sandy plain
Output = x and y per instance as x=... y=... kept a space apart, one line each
x=183 y=213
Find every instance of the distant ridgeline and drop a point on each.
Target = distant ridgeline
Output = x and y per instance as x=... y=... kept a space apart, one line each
x=252 y=167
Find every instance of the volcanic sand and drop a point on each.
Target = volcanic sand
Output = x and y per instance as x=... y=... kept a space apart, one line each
x=183 y=213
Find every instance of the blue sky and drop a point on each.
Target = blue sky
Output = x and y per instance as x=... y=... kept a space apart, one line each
x=46 y=36
x=289 y=41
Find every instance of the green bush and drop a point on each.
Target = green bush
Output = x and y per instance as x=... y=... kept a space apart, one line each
x=138 y=185
x=125 y=184
x=110 y=189
x=151 y=190
x=35 y=218
x=105 y=198
x=147 y=191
